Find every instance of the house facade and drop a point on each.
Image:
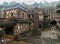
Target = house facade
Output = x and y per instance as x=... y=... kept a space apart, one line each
x=19 y=16
x=57 y=15
x=38 y=18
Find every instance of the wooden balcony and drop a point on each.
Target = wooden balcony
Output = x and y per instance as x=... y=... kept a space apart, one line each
x=6 y=22
x=11 y=22
x=58 y=10
x=21 y=20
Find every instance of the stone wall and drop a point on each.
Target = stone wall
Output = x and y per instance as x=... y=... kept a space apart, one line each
x=21 y=28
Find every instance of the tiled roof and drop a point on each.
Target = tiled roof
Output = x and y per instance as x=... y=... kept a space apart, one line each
x=15 y=6
x=2 y=6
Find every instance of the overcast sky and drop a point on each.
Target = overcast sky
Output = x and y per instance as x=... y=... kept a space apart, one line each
x=26 y=1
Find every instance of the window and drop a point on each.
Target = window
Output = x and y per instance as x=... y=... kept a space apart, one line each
x=22 y=15
x=15 y=15
x=11 y=15
x=25 y=16
x=7 y=14
x=41 y=17
x=31 y=15
x=19 y=28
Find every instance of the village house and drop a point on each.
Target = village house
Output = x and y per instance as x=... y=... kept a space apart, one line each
x=16 y=20
x=57 y=15
x=40 y=18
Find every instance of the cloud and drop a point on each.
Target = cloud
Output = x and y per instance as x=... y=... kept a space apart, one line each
x=26 y=1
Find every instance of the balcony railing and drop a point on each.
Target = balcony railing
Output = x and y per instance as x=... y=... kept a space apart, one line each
x=5 y=19
x=6 y=22
x=23 y=20
x=58 y=8
x=13 y=21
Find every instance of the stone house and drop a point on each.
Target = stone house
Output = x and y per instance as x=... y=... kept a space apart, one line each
x=37 y=16
x=17 y=15
x=57 y=15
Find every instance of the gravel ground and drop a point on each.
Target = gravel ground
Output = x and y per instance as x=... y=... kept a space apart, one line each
x=35 y=41
x=43 y=39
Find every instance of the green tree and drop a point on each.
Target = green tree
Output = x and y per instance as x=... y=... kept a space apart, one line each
x=25 y=5
x=40 y=4
x=5 y=3
x=13 y=2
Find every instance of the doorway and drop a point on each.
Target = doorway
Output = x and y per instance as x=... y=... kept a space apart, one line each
x=9 y=30
x=40 y=27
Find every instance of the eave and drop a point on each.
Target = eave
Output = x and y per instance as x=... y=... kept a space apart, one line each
x=58 y=10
